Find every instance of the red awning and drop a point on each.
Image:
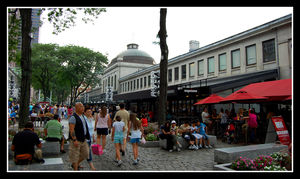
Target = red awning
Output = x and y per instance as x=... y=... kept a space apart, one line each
x=212 y=99
x=278 y=90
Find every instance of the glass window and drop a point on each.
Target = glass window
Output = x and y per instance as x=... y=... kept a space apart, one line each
x=269 y=50
x=130 y=85
x=141 y=83
x=138 y=83
x=251 y=54
x=169 y=75
x=115 y=82
x=200 y=67
x=183 y=71
x=145 y=82
x=176 y=73
x=222 y=62
x=192 y=69
x=108 y=84
x=149 y=81
x=211 y=65
x=235 y=58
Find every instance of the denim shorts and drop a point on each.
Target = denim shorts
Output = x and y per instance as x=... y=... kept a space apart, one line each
x=134 y=140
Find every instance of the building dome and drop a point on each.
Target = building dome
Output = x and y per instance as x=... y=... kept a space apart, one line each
x=133 y=55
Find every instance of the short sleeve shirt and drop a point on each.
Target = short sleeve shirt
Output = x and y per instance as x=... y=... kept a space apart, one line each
x=72 y=120
x=54 y=129
x=25 y=141
x=202 y=128
x=118 y=125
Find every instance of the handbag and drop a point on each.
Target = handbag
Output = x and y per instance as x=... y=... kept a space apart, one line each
x=97 y=149
x=143 y=141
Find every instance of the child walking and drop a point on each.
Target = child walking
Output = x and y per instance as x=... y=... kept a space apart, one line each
x=136 y=130
x=117 y=137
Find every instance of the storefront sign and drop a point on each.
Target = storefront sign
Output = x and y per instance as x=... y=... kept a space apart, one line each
x=190 y=91
x=281 y=130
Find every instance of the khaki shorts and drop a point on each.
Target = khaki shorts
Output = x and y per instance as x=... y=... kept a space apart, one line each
x=80 y=152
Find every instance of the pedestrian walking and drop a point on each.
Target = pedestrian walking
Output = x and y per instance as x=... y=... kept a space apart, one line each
x=117 y=137
x=136 y=130
x=90 y=122
x=79 y=134
x=123 y=113
x=102 y=123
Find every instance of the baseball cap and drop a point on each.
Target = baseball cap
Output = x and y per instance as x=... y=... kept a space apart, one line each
x=173 y=122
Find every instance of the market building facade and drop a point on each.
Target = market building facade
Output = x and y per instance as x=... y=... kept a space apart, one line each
x=262 y=53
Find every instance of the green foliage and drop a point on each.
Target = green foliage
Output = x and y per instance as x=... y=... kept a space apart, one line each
x=65 y=70
x=151 y=137
x=63 y=18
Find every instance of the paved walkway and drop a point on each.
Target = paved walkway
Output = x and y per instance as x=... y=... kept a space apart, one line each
x=151 y=159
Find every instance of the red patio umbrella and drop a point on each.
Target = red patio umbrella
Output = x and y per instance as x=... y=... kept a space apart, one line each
x=278 y=90
x=212 y=99
x=243 y=97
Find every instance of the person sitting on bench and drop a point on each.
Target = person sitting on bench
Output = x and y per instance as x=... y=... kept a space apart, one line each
x=53 y=132
x=23 y=146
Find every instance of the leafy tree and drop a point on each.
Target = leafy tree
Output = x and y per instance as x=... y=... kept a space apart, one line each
x=82 y=67
x=61 y=18
x=45 y=66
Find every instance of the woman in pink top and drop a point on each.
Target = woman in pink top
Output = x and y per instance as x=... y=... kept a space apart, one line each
x=252 y=124
x=102 y=123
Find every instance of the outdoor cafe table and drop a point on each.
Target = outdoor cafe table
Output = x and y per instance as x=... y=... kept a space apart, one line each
x=238 y=132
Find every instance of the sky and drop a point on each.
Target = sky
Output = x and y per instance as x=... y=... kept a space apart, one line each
x=119 y=26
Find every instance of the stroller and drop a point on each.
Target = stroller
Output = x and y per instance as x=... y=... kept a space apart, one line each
x=229 y=133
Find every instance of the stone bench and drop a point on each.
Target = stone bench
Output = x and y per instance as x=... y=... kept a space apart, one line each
x=184 y=143
x=48 y=148
x=228 y=155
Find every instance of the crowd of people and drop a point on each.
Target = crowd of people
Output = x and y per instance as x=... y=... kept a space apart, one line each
x=84 y=129
x=92 y=124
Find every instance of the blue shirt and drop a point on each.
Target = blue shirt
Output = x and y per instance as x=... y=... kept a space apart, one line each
x=202 y=128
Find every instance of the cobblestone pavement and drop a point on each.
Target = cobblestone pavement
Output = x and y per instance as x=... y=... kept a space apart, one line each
x=151 y=159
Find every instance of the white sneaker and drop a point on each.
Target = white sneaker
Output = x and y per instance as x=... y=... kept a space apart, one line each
x=135 y=162
x=200 y=146
x=195 y=147
x=170 y=150
x=119 y=163
x=206 y=146
x=209 y=146
x=178 y=149
x=190 y=147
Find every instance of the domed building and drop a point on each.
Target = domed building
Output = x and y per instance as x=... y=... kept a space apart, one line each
x=125 y=63
x=133 y=55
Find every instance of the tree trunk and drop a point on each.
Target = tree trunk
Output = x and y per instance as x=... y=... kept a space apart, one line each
x=163 y=67
x=25 y=66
